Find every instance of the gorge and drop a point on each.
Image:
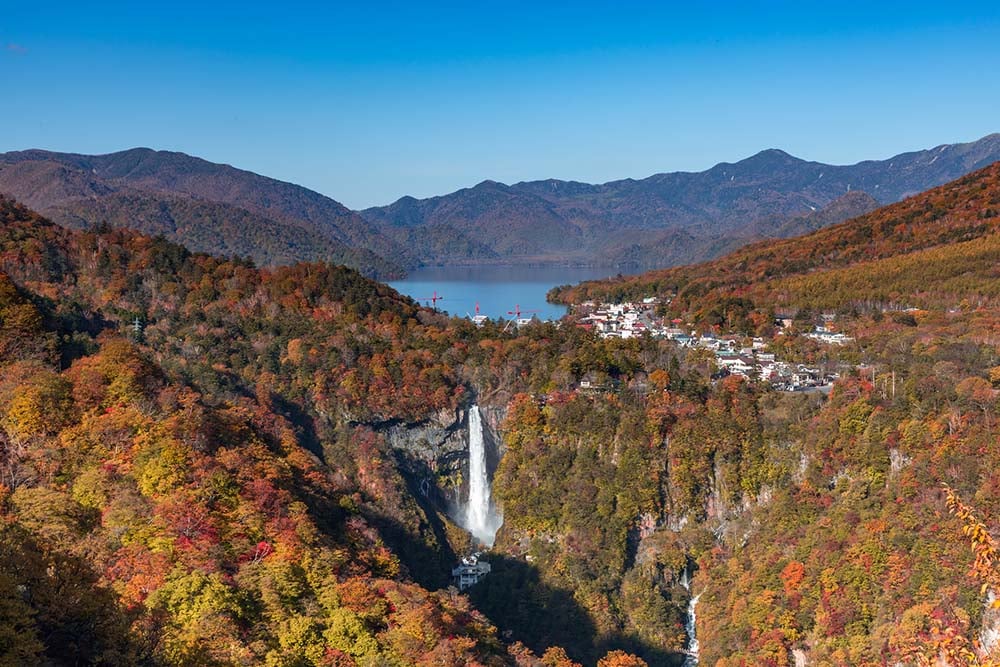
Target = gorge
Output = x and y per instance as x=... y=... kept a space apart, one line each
x=304 y=429
x=381 y=334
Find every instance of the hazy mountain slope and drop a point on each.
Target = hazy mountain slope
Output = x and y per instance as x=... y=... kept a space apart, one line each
x=231 y=209
x=678 y=246
x=847 y=206
x=663 y=220
x=218 y=228
x=876 y=250
x=611 y=222
x=505 y=222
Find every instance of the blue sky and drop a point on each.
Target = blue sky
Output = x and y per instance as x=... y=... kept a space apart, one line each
x=366 y=102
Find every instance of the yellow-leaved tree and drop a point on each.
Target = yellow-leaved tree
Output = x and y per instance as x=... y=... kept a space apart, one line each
x=946 y=644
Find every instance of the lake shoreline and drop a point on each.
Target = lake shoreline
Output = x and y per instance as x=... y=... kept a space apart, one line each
x=500 y=291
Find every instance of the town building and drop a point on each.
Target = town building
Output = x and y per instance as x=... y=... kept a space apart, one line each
x=470 y=571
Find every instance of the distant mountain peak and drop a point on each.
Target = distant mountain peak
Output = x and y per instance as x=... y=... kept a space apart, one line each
x=770 y=156
x=489 y=184
x=140 y=150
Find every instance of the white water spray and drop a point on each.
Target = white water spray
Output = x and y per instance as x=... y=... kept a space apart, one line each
x=691 y=650
x=692 y=646
x=480 y=516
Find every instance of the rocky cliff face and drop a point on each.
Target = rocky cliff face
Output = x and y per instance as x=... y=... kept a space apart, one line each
x=434 y=454
x=418 y=503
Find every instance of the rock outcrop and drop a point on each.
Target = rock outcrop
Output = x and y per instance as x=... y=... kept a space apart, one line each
x=434 y=454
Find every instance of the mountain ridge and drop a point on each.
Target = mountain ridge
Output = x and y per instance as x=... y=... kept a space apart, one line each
x=663 y=220
x=616 y=222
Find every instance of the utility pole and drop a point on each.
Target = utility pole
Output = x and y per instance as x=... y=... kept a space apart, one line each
x=137 y=328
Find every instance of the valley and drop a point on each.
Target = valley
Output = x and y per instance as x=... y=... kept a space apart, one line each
x=499 y=334
x=305 y=452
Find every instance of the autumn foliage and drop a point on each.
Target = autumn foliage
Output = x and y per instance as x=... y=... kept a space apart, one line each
x=195 y=465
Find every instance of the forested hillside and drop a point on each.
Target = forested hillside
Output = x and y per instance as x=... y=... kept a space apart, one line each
x=207 y=207
x=916 y=251
x=834 y=544
x=156 y=508
x=196 y=457
x=204 y=461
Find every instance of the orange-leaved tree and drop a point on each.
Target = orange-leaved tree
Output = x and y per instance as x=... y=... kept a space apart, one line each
x=949 y=645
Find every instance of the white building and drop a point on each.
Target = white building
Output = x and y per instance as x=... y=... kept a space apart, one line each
x=470 y=571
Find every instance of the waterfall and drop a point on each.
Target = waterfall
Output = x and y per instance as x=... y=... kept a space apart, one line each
x=689 y=625
x=691 y=650
x=480 y=515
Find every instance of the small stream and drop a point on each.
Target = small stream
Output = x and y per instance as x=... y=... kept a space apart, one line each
x=690 y=622
x=690 y=626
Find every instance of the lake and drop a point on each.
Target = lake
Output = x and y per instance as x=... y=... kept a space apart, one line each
x=497 y=289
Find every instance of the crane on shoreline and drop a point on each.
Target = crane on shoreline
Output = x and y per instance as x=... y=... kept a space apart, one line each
x=431 y=300
x=479 y=320
x=517 y=312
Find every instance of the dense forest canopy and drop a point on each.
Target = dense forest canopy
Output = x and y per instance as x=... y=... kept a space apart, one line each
x=197 y=469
